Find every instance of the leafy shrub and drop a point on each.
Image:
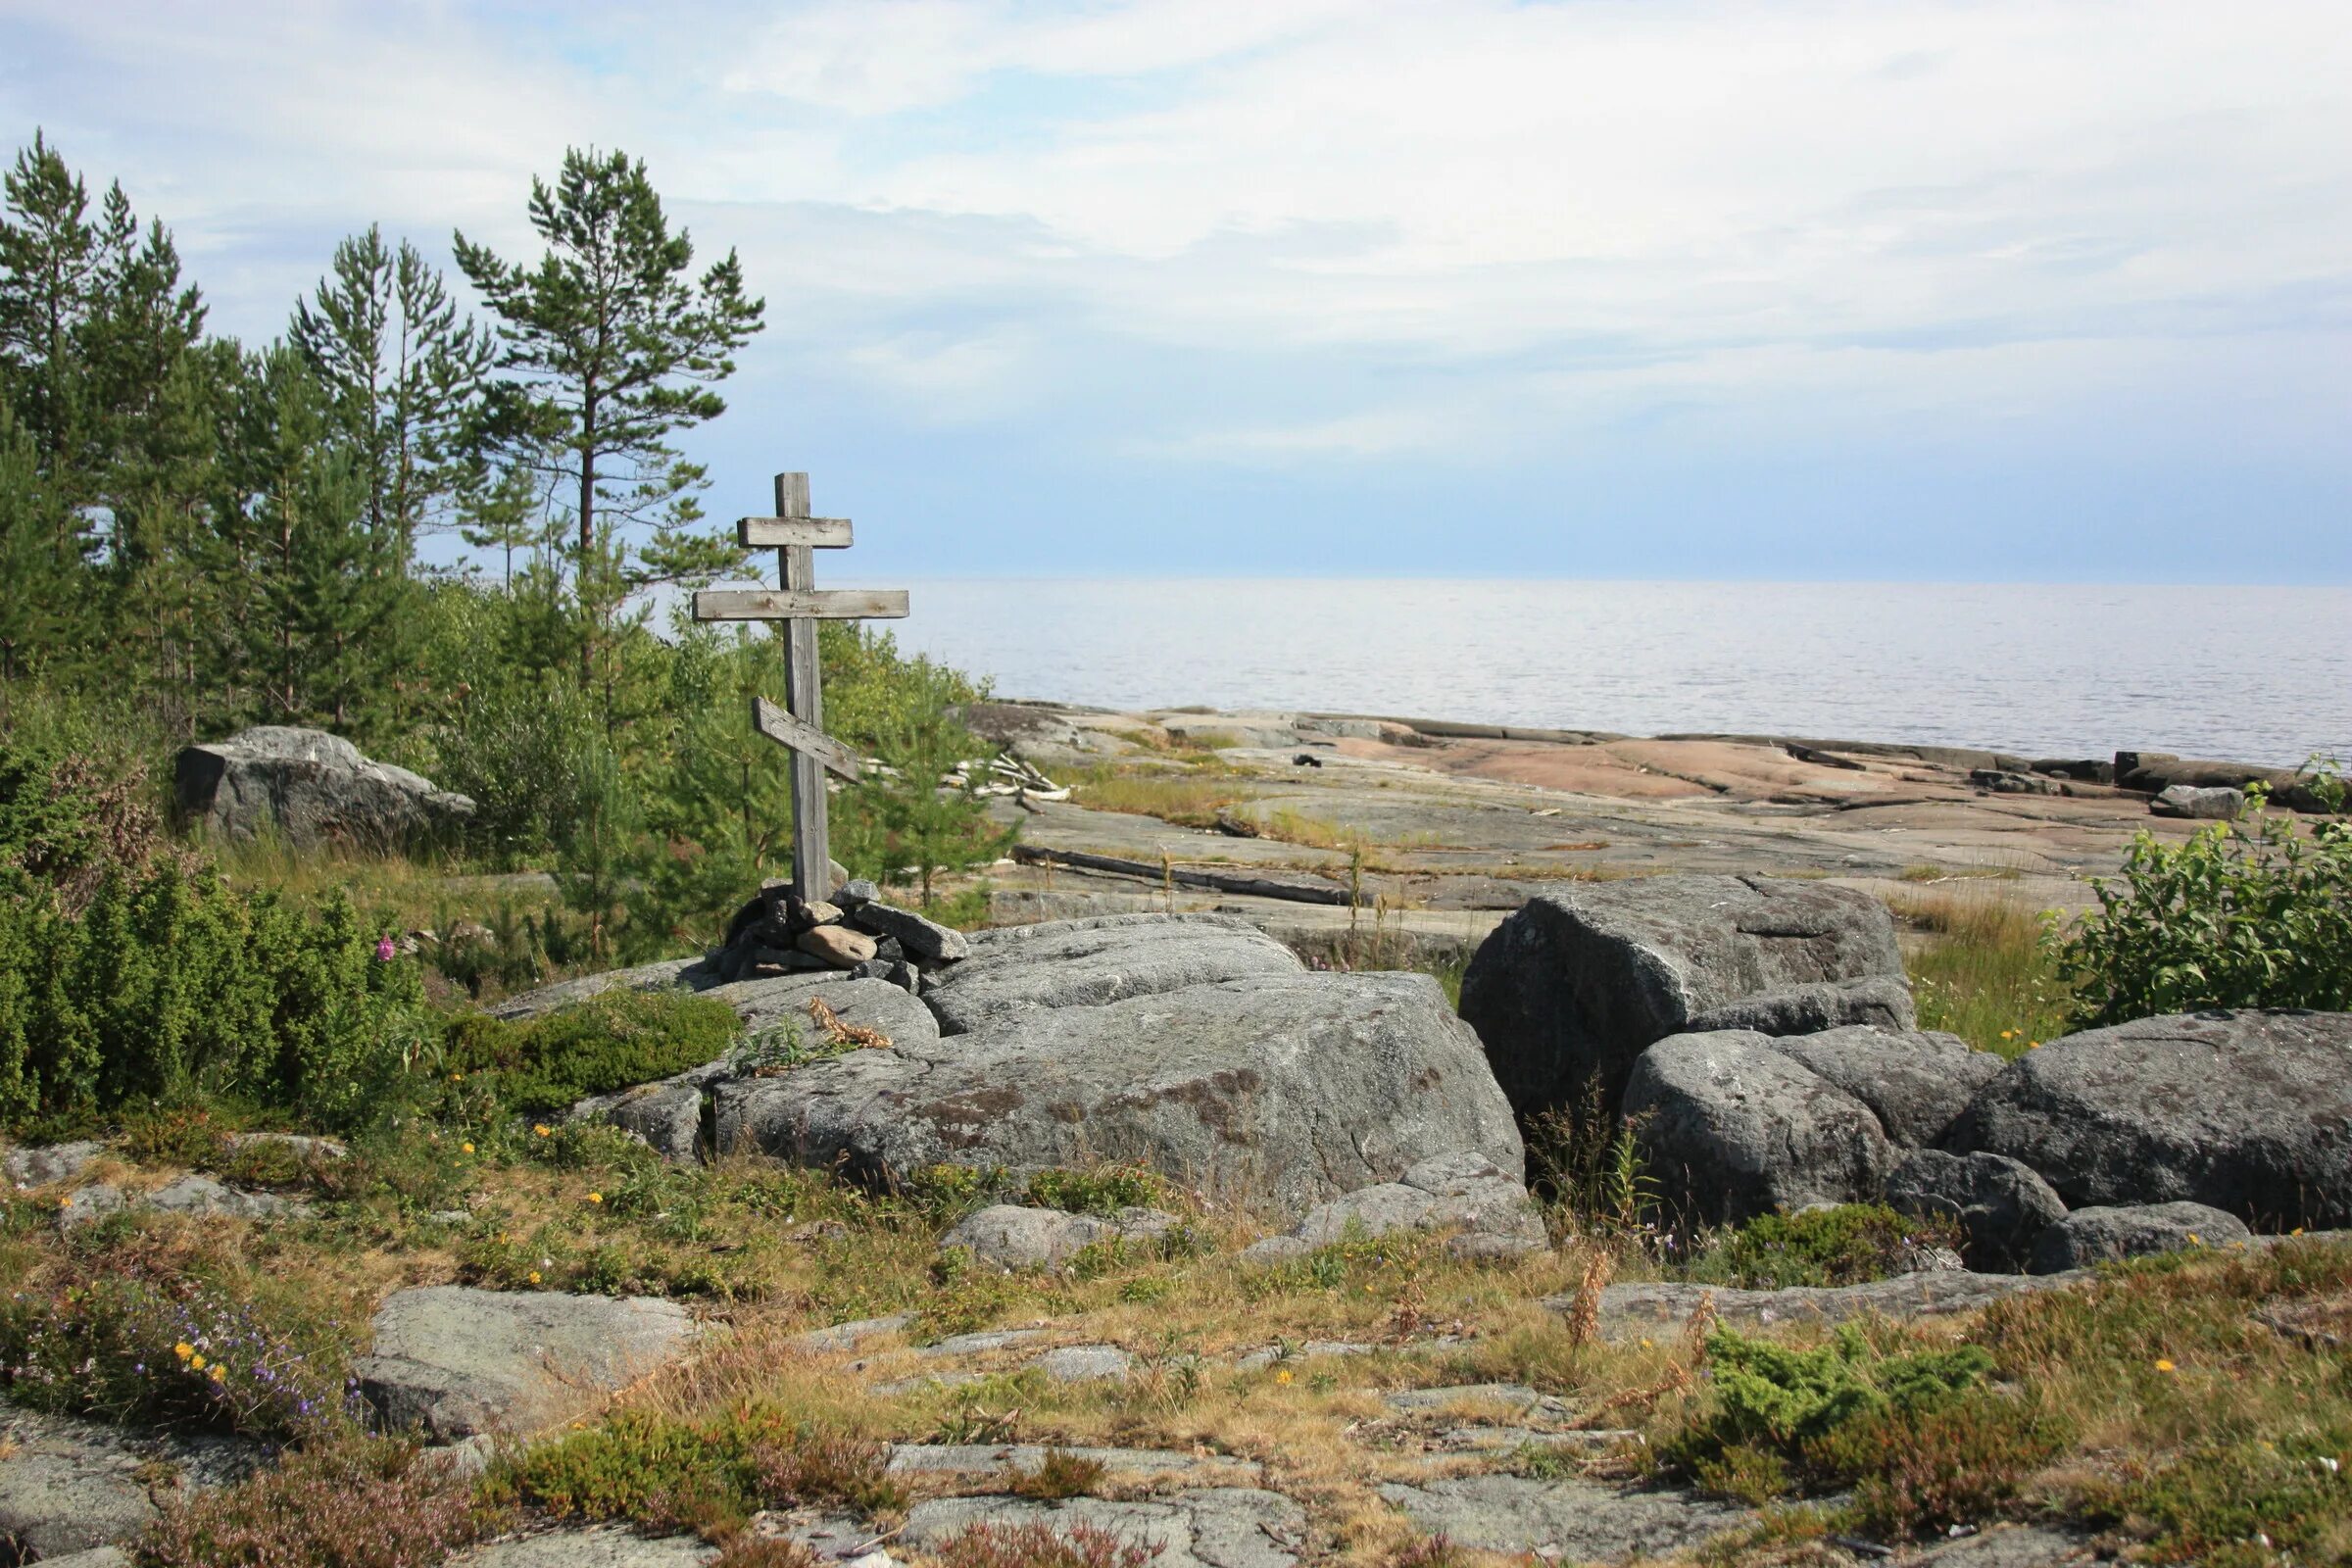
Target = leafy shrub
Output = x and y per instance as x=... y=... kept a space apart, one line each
x=1849 y=1244
x=608 y=1042
x=2253 y=914
x=1781 y=1399
x=67 y=820
x=173 y=987
x=1104 y=1190
x=120 y=1343
x=360 y=1502
x=709 y=1475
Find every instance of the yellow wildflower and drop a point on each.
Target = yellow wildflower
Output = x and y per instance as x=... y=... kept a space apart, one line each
x=1283 y=1376
x=219 y=1372
x=2193 y=1240
x=2163 y=1366
x=534 y=1276
x=598 y=1197
x=195 y=1363
x=542 y=1130
x=465 y=1149
x=183 y=1350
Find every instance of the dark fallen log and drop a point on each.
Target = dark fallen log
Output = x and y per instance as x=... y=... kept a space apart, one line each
x=1184 y=876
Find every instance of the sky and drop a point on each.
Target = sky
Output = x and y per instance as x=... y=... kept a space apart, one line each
x=2005 y=290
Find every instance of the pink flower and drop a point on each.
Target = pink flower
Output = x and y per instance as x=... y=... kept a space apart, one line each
x=383 y=949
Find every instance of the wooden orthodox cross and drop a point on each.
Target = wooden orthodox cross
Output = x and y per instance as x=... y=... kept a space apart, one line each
x=796 y=601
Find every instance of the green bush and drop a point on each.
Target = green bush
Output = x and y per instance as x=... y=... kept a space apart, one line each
x=2253 y=914
x=1781 y=1399
x=608 y=1042
x=1849 y=1244
x=172 y=986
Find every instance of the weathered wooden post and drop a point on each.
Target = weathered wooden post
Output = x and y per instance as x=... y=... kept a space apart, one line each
x=796 y=601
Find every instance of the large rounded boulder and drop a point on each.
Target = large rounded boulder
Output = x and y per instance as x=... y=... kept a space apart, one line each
x=1729 y=1127
x=1569 y=991
x=1277 y=1091
x=2247 y=1112
x=313 y=788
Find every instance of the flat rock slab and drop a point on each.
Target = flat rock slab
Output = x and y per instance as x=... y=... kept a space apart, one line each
x=2006 y=1546
x=1086 y=963
x=1269 y=1355
x=1011 y=1236
x=601 y=1547
x=842 y=1336
x=455 y=1361
x=190 y=1194
x=1574 y=1520
x=1516 y=1397
x=1638 y=1310
x=1282 y=1090
x=669 y=974
x=43 y=1163
x=1006 y=1461
x=1502 y=1440
x=1085 y=1363
x=68 y=1484
x=984 y=1343
x=1217 y=1527
x=771 y=1004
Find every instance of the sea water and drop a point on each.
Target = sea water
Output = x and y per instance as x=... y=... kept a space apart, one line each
x=2250 y=674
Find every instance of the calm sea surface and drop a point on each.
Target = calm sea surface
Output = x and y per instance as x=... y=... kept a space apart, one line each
x=2251 y=674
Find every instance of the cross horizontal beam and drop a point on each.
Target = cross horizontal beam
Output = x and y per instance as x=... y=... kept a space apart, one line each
x=810 y=604
x=793 y=736
x=816 y=533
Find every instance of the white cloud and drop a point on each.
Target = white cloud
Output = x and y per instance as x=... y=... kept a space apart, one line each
x=1421 y=226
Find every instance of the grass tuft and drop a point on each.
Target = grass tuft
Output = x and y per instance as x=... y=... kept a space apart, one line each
x=1981 y=969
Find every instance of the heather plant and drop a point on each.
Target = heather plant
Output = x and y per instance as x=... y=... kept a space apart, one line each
x=2251 y=913
x=355 y=1502
x=708 y=1476
x=1040 y=1545
x=122 y=1343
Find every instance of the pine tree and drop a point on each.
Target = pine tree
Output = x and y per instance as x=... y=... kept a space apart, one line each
x=405 y=373
x=52 y=261
x=38 y=623
x=320 y=586
x=614 y=350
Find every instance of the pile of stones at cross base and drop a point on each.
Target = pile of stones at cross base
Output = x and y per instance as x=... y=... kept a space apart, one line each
x=1756 y=1034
